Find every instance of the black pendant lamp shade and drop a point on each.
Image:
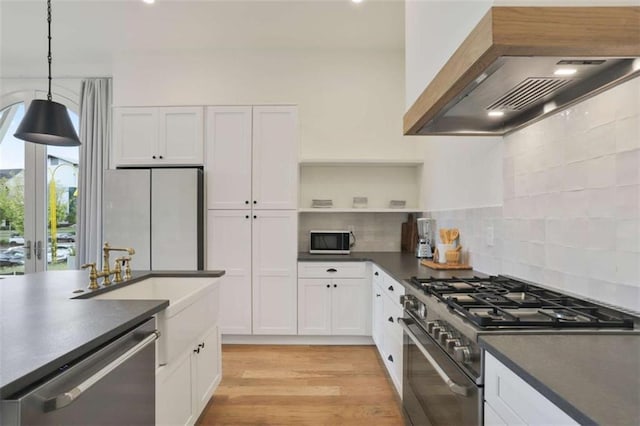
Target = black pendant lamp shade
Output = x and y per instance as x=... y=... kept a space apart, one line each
x=47 y=122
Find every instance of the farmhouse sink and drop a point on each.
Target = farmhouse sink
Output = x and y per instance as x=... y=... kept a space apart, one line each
x=193 y=305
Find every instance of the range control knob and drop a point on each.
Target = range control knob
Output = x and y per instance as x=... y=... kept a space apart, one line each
x=436 y=332
x=462 y=354
x=430 y=325
x=452 y=343
x=443 y=337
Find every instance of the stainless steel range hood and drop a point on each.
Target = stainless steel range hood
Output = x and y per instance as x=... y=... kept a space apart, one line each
x=505 y=74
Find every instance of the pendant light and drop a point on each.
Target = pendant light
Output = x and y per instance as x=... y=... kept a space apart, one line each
x=47 y=122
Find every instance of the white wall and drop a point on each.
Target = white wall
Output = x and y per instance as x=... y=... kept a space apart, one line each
x=350 y=101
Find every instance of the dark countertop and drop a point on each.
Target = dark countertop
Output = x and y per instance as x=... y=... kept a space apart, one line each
x=42 y=328
x=400 y=266
x=595 y=379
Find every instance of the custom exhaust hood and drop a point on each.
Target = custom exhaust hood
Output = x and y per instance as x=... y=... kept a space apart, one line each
x=521 y=64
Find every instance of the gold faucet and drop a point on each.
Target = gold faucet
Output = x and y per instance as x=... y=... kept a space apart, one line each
x=93 y=275
x=106 y=271
x=120 y=262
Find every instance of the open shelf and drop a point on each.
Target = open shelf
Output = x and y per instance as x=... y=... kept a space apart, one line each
x=354 y=210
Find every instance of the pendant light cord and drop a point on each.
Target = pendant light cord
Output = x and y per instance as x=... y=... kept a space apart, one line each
x=49 y=51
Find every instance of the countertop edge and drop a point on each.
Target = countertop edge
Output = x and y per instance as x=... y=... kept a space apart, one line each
x=538 y=385
x=33 y=377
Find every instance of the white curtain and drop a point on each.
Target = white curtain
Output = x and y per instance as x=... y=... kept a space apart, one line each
x=95 y=135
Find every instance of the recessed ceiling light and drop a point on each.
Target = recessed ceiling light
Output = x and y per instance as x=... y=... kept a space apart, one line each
x=495 y=113
x=565 y=71
x=357 y=1
x=149 y=1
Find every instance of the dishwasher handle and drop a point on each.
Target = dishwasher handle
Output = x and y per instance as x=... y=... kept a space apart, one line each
x=453 y=386
x=66 y=398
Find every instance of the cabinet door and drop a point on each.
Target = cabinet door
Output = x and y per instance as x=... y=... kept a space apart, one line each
x=135 y=136
x=275 y=286
x=228 y=157
x=229 y=248
x=181 y=136
x=377 y=325
x=275 y=157
x=174 y=398
x=207 y=369
x=314 y=306
x=350 y=310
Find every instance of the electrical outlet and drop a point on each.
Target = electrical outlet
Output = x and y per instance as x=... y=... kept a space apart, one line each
x=488 y=235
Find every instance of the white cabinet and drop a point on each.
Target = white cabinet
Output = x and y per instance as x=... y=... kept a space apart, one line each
x=387 y=333
x=274 y=250
x=511 y=400
x=158 y=136
x=184 y=387
x=252 y=157
x=258 y=250
x=333 y=299
x=229 y=248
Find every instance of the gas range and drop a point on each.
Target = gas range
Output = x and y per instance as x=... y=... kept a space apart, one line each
x=455 y=311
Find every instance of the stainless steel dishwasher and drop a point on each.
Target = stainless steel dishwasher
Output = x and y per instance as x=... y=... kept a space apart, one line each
x=113 y=385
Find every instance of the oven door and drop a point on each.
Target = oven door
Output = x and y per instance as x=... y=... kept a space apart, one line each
x=435 y=390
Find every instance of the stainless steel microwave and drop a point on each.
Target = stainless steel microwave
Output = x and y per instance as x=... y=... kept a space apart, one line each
x=329 y=242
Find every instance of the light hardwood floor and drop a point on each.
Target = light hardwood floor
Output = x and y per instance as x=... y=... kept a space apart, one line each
x=302 y=385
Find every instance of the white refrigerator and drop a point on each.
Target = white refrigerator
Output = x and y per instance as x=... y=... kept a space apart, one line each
x=159 y=212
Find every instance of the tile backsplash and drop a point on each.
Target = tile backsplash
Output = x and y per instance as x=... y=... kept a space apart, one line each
x=373 y=231
x=571 y=202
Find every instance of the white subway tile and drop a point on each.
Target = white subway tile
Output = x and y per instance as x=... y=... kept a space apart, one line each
x=628 y=268
x=628 y=133
x=576 y=148
x=555 y=179
x=628 y=167
x=537 y=230
x=575 y=203
x=628 y=202
x=628 y=235
x=537 y=254
x=601 y=264
x=576 y=284
x=555 y=257
x=628 y=98
x=575 y=176
x=601 y=172
x=575 y=232
x=554 y=230
x=601 y=202
x=602 y=234
x=552 y=205
x=575 y=260
x=521 y=185
x=553 y=278
x=601 y=140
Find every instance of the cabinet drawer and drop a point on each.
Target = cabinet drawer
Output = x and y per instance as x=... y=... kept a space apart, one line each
x=393 y=361
x=332 y=270
x=515 y=401
x=393 y=289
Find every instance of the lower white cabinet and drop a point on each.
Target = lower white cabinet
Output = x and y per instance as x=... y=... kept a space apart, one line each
x=334 y=306
x=386 y=332
x=184 y=387
x=333 y=299
x=508 y=399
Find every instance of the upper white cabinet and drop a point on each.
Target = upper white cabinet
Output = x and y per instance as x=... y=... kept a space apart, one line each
x=252 y=157
x=158 y=136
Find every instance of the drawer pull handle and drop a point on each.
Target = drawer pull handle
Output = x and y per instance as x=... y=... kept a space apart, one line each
x=390 y=319
x=335 y=285
x=332 y=270
x=328 y=285
x=376 y=274
x=390 y=358
x=377 y=295
x=390 y=288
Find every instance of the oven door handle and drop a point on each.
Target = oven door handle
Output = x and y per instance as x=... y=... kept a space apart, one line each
x=455 y=388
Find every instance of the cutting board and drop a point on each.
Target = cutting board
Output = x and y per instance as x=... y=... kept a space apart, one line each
x=444 y=266
x=409 y=235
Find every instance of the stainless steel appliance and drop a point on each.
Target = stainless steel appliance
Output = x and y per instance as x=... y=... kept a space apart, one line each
x=160 y=212
x=443 y=318
x=329 y=242
x=114 y=385
x=425 y=239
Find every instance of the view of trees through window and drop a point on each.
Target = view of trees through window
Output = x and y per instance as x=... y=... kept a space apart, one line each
x=60 y=197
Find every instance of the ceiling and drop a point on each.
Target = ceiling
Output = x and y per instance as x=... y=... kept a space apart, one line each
x=101 y=28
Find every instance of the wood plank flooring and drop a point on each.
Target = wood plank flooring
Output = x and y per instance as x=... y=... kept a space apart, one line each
x=302 y=385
